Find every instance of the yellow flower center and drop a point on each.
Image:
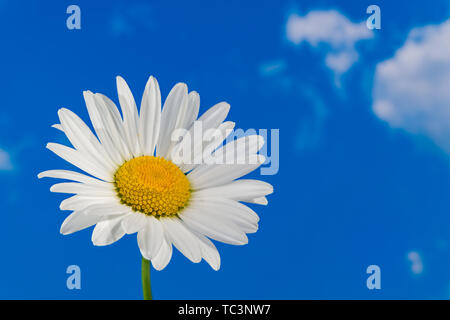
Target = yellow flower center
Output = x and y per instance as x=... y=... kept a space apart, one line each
x=152 y=185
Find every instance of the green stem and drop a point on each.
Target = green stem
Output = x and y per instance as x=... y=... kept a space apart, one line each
x=146 y=287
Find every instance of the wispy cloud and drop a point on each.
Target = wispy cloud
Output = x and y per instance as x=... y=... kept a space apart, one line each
x=271 y=68
x=278 y=76
x=411 y=90
x=333 y=33
x=312 y=124
x=415 y=262
x=5 y=161
x=134 y=16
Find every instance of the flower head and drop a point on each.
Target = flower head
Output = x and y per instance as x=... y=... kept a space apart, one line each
x=134 y=182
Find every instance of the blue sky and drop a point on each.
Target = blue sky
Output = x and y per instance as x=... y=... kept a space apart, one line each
x=364 y=142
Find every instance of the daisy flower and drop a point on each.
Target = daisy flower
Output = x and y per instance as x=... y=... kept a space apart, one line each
x=133 y=182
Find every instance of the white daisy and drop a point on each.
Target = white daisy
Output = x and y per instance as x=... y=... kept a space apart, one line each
x=132 y=185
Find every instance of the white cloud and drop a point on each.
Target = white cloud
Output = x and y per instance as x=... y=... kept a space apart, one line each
x=272 y=68
x=415 y=261
x=5 y=161
x=334 y=31
x=412 y=89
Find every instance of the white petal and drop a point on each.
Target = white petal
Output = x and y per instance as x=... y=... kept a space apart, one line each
x=82 y=189
x=151 y=238
x=262 y=201
x=169 y=117
x=211 y=119
x=239 y=151
x=215 y=115
x=183 y=113
x=228 y=211
x=224 y=131
x=95 y=116
x=77 y=221
x=108 y=231
x=113 y=124
x=193 y=109
x=84 y=140
x=58 y=126
x=204 y=145
x=181 y=123
x=240 y=190
x=74 y=157
x=204 y=223
x=182 y=238
x=130 y=116
x=207 y=176
x=163 y=256
x=109 y=209
x=78 y=202
x=134 y=222
x=150 y=116
x=209 y=251
x=112 y=108
x=105 y=127
x=71 y=175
